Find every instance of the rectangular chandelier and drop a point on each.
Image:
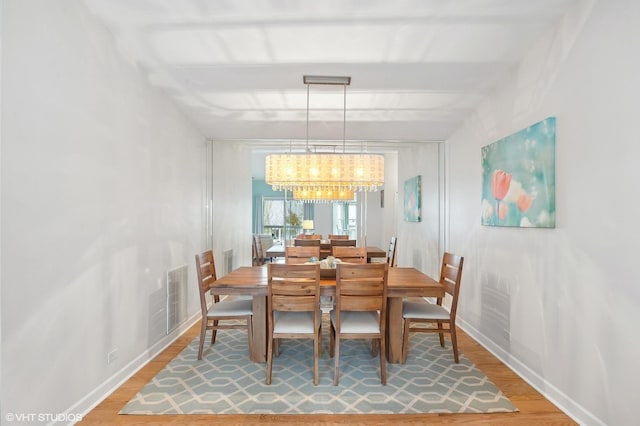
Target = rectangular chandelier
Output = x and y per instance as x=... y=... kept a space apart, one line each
x=328 y=176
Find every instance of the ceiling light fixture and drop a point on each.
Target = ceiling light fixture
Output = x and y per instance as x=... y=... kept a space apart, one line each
x=326 y=175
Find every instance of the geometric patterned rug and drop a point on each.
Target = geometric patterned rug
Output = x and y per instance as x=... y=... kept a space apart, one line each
x=225 y=381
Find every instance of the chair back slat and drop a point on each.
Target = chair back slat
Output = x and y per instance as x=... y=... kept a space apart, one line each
x=306 y=242
x=338 y=237
x=343 y=243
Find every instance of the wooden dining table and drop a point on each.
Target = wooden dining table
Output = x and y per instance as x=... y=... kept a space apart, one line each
x=401 y=283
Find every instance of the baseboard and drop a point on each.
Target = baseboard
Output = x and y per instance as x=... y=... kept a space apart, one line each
x=95 y=397
x=571 y=408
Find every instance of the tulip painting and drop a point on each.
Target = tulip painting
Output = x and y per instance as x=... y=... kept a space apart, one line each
x=518 y=183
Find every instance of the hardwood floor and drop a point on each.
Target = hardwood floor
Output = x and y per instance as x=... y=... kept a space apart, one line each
x=534 y=409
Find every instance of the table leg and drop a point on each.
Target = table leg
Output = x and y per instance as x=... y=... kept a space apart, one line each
x=259 y=343
x=394 y=330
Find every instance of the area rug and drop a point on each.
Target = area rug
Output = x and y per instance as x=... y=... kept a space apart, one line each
x=225 y=381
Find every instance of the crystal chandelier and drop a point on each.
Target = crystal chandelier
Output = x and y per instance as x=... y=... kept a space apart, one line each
x=316 y=195
x=325 y=176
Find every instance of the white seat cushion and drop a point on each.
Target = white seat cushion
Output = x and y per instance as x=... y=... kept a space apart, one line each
x=292 y=322
x=424 y=310
x=232 y=308
x=357 y=322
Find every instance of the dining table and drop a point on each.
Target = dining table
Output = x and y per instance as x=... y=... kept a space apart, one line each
x=402 y=282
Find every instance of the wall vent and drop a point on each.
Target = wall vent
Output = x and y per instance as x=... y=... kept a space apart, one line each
x=176 y=297
x=228 y=261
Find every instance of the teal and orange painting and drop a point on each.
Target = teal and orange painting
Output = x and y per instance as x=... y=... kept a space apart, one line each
x=518 y=178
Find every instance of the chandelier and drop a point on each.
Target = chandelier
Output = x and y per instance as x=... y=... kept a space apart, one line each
x=316 y=195
x=325 y=176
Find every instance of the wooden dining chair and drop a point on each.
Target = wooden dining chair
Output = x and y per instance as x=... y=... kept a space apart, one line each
x=293 y=309
x=360 y=311
x=433 y=313
x=338 y=237
x=301 y=254
x=258 y=253
x=220 y=310
x=350 y=254
x=391 y=252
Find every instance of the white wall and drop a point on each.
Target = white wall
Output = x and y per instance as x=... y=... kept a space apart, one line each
x=232 y=203
x=420 y=243
x=562 y=305
x=101 y=195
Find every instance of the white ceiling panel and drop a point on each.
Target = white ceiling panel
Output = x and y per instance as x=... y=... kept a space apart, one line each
x=418 y=67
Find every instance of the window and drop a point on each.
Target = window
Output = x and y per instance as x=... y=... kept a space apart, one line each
x=345 y=219
x=282 y=218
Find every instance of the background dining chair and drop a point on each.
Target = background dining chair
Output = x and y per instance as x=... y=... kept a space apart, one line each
x=391 y=252
x=350 y=254
x=219 y=310
x=338 y=237
x=293 y=309
x=301 y=254
x=426 y=312
x=258 y=253
x=361 y=310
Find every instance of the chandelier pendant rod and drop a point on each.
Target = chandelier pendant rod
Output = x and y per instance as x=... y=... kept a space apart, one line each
x=344 y=121
x=307 y=117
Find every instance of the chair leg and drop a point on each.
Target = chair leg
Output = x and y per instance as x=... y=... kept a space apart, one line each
x=316 y=351
x=332 y=341
x=250 y=335
x=374 y=348
x=441 y=333
x=383 y=365
x=454 y=342
x=405 y=340
x=336 y=369
x=214 y=332
x=203 y=332
x=269 y=357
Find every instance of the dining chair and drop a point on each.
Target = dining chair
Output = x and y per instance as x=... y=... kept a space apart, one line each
x=220 y=310
x=434 y=313
x=258 y=253
x=293 y=309
x=360 y=311
x=301 y=254
x=338 y=237
x=298 y=242
x=391 y=252
x=350 y=254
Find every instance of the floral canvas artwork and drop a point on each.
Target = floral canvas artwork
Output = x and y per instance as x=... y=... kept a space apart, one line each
x=412 y=199
x=518 y=178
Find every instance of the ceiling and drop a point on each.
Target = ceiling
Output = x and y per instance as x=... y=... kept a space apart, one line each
x=418 y=67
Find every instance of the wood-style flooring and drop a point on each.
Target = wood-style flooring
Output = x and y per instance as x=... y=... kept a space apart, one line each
x=534 y=408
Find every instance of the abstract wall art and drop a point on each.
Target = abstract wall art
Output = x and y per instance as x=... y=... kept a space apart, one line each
x=518 y=178
x=412 y=199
